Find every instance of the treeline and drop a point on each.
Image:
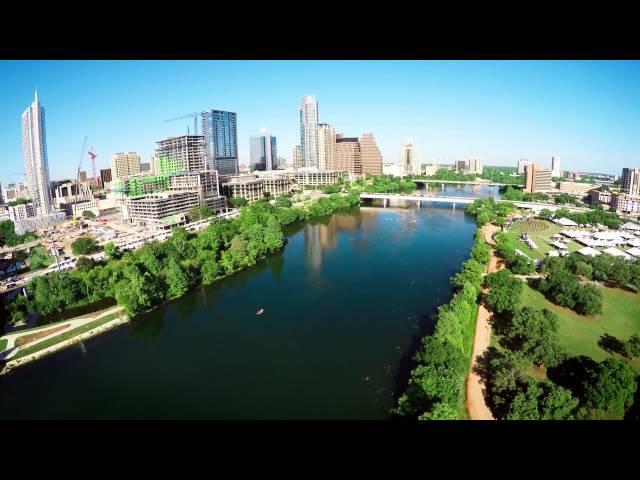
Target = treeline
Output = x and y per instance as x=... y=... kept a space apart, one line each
x=564 y=276
x=576 y=387
x=591 y=217
x=387 y=184
x=487 y=210
x=161 y=271
x=9 y=238
x=496 y=174
x=518 y=195
x=437 y=383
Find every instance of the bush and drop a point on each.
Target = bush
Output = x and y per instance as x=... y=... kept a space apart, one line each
x=84 y=246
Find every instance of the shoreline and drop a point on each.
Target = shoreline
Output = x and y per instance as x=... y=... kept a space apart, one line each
x=12 y=364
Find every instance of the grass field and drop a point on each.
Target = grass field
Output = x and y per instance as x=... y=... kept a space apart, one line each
x=540 y=231
x=3 y=344
x=579 y=335
x=64 y=336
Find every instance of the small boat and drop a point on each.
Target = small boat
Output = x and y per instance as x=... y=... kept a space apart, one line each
x=260 y=312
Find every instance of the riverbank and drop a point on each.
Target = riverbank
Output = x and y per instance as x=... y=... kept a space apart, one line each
x=477 y=408
x=62 y=336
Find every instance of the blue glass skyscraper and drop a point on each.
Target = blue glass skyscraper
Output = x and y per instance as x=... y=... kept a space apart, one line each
x=221 y=141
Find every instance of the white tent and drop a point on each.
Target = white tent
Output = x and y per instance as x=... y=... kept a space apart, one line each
x=631 y=226
x=588 y=252
x=617 y=253
x=635 y=251
x=553 y=253
x=565 y=222
x=560 y=245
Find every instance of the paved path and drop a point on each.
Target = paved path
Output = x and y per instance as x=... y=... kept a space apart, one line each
x=73 y=323
x=476 y=405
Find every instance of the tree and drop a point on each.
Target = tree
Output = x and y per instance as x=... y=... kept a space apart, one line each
x=521 y=265
x=177 y=280
x=283 y=202
x=111 y=252
x=589 y=300
x=441 y=411
x=561 y=287
x=631 y=347
x=610 y=387
x=238 y=202
x=200 y=213
x=273 y=237
x=583 y=269
x=505 y=291
x=88 y=214
x=39 y=258
x=542 y=401
x=535 y=333
x=500 y=221
x=136 y=292
x=84 y=264
x=84 y=246
x=545 y=213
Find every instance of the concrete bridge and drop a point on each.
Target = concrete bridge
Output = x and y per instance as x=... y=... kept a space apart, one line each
x=467 y=182
x=535 y=207
x=416 y=198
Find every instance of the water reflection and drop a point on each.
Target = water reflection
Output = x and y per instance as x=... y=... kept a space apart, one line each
x=322 y=236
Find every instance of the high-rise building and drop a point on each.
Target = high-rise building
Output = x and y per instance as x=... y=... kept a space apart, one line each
x=309 y=132
x=124 y=164
x=631 y=181
x=555 y=167
x=326 y=147
x=181 y=154
x=36 y=163
x=410 y=158
x=145 y=167
x=475 y=165
x=82 y=176
x=296 y=157
x=348 y=155
x=370 y=155
x=461 y=165
x=537 y=179
x=263 y=152
x=521 y=164
x=221 y=141
x=282 y=163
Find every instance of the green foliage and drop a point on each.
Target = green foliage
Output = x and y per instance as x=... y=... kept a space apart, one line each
x=512 y=194
x=200 y=213
x=39 y=258
x=505 y=291
x=84 y=246
x=610 y=386
x=389 y=184
x=88 y=214
x=631 y=347
x=84 y=264
x=177 y=280
x=563 y=288
x=9 y=238
x=545 y=213
x=542 y=401
x=19 y=201
x=111 y=252
x=565 y=198
x=238 y=202
x=535 y=333
x=283 y=202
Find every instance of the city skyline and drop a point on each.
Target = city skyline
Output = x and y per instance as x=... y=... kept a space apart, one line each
x=582 y=112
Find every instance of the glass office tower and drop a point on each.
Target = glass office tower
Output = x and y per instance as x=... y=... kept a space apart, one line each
x=221 y=141
x=264 y=153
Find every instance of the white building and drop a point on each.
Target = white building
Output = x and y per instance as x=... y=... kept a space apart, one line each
x=395 y=169
x=309 y=132
x=521 y=164
x=430 y=170
x=475 y=166
x=410 y=158
x=555 y=167
x=36 y=163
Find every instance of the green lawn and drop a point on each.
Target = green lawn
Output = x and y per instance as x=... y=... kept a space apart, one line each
x=540 y=231
x=3 y=344
x=65 y=336
x=579 y=335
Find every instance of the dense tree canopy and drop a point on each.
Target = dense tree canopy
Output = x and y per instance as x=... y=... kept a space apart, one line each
x=84 y=246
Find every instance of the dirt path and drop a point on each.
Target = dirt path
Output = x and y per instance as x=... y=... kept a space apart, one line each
x=476 y=405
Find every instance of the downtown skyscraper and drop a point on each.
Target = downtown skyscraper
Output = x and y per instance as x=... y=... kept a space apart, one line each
x=263 y=152
x=221 y=141
x=36 y=163
x=309 y=132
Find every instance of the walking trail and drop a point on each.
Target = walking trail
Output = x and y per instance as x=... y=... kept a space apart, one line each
x=476 y=405
x=11 y=350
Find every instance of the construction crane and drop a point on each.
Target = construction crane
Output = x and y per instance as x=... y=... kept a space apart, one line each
x=93 y=156
x=75 y=209
x=195 y=120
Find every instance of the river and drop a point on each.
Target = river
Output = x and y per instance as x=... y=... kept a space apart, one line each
x=344 y=305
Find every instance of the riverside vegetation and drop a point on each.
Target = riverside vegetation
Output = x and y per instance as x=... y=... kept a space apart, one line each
x=161 y=271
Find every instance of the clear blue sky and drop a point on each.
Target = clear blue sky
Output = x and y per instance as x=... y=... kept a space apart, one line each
x=586 y=112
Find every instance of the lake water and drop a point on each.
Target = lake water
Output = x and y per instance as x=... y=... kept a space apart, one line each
x=344 y=305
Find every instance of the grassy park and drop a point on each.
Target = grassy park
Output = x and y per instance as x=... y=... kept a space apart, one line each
x=540 y=231
x=580 y=335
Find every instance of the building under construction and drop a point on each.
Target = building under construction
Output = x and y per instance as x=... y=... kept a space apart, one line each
x=181 y=154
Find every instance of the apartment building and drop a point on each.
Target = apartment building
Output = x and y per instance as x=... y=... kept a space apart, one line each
x=537 y=179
